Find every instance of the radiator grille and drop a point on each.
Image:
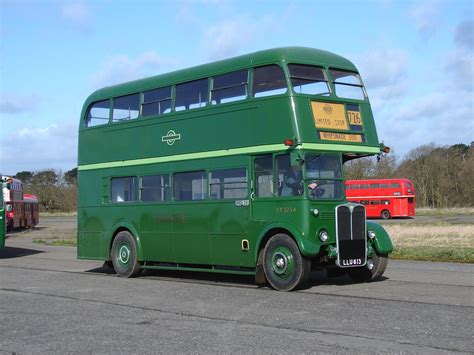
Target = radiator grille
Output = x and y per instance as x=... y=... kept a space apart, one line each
x=351 y=235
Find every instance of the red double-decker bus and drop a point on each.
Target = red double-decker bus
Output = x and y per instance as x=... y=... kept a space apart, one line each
x=383 y=198
x=21 y=210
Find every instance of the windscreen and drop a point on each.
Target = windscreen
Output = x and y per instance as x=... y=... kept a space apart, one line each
x=324 y=177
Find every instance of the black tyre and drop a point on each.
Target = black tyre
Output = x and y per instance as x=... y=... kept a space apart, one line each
x=124 y=255
x=372 y=271
x=385 y=214
x=284 y=266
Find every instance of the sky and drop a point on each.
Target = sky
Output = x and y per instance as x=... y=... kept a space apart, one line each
x=415 y=58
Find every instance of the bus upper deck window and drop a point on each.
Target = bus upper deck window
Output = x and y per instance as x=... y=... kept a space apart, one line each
x=126 y=108
x=191 y=95
x=98 y=113
x=347 y=85
x=268 y=80
x=306 y=79
x=229 y=87
x=156 y=102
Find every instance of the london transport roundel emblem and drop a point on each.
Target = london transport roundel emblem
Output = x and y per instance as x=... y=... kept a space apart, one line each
x=171 y=137
x=327 y=109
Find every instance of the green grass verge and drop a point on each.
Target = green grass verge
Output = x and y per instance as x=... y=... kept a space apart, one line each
x=440 y=212
x=57 y=242
x=445 y=254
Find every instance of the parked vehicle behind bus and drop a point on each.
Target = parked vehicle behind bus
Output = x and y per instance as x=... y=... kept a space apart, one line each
x=383 y=198
x=21 y=210
x=3 y=227
x=232 y=167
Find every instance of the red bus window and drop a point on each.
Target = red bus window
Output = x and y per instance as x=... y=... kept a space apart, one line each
x=374 y=186
x=395 y=185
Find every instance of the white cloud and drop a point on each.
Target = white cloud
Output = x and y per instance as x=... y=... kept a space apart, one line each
x=383 y=67
x=464 y=36
x=426 y=17
x=77 y=14
x=226 y=38
x=460 y=62
x=37 y=148
x=122 y=68
x=12 y=103
x=441 y=117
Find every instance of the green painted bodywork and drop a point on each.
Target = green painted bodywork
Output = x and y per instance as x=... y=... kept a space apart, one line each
x=382 y=242
x=208 y=234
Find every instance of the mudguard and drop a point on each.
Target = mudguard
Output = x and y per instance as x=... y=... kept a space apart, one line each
x=382 y=242
x=129 y=226
x=306 y=246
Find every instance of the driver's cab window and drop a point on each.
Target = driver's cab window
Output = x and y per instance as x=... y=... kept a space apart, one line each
x=263 y=167
x=324 y=177
x=289 y=178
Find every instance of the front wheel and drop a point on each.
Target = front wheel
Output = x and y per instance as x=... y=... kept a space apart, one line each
x=284 y=266
x=372 y=271
x=124 y=255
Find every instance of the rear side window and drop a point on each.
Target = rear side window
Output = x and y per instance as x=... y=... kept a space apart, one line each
x=307 y=79
x=156 y=102
x=98 y=114
x=123 y=189
x=126 y=108
x=229 y=87
x=191 y=95
x=190 y=186
x=268 y=80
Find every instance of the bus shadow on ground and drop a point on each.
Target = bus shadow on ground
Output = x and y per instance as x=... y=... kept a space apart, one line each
x=317 y=278
x=13 y=252
x=320 y=278
x=187 y=276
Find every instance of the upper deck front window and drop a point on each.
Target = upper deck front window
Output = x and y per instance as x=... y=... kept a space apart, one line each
x=307 y=79
x=347 y=85
x=98 y=113
x=324 y=177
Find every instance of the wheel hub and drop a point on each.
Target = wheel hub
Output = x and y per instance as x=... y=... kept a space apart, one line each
x=280 y=263
x=124 y=254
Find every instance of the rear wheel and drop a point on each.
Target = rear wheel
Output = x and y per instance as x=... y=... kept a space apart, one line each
x=385 y=214
x=284 y=266
x=372 y=271
x=124 y=255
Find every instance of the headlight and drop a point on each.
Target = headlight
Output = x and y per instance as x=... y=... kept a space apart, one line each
x=371 y=234
x=315 y=212
x=323 y=235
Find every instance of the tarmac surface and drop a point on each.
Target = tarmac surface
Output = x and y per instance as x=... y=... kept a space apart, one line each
x=50 y=302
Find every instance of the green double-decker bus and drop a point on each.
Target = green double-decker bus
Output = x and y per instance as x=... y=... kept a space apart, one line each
x=234 y=166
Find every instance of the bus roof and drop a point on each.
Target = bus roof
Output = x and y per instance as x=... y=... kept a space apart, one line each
x=284 y=54
x=367 y=181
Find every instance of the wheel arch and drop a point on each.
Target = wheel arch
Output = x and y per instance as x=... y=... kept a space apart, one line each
x=382 y=242
x=306 y=246
x=128 y=227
